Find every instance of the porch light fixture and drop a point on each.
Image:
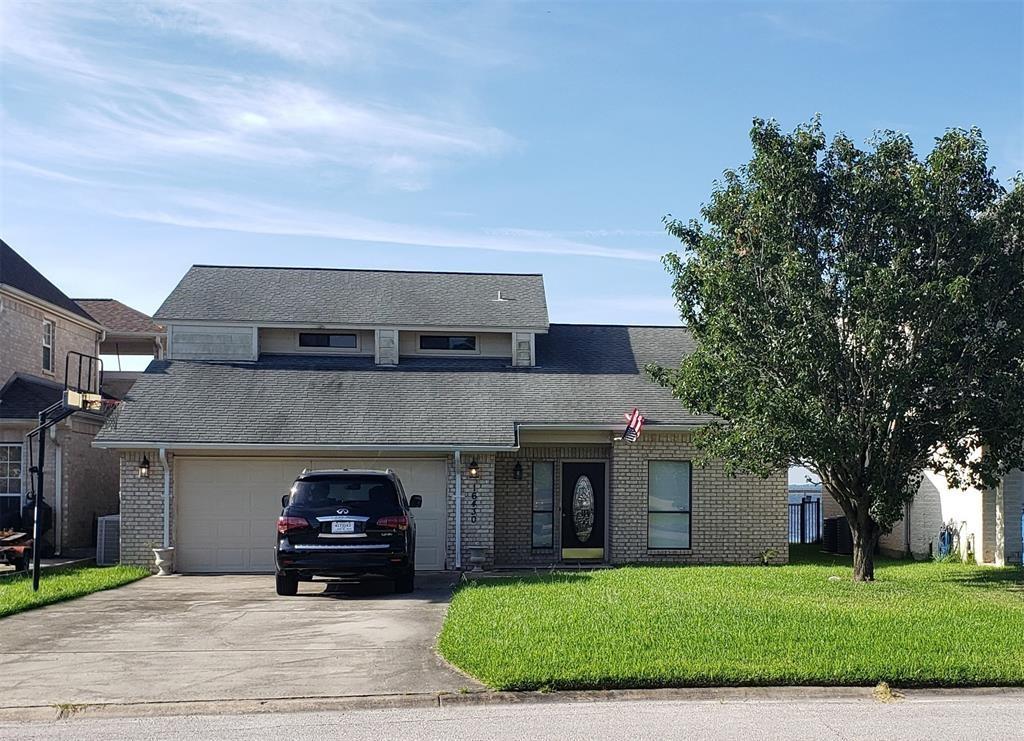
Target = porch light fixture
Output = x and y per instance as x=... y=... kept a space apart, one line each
x=144 y=468
x=517 y=472
x=474 y=470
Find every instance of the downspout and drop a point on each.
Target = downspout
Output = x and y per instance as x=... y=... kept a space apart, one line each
x=458 y=510
x=167 y=497
x=58 y=493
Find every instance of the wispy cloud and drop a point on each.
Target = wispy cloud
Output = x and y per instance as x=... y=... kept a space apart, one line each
x=798 y=26
x=224 y=212
x=124 y=106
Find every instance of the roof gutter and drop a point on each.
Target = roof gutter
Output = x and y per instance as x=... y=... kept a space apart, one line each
x=52 y=308
x=297 y=447
x=413 y=448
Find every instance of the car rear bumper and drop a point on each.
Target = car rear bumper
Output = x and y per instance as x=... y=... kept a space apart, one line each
x=325 y=562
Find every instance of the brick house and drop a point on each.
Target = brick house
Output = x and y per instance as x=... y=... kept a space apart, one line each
x=507 y=426
x=39 y=326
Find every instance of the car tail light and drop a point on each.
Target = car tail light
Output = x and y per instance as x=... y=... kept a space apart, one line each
x=291 y=524
x=393 y=522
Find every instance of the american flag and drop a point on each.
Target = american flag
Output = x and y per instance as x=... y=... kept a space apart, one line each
x=634 y=424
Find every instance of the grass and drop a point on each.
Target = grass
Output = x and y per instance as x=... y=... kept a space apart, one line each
x=919 y=624
x=57 y=585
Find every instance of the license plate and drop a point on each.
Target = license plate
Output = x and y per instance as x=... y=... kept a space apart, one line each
x=343 y=527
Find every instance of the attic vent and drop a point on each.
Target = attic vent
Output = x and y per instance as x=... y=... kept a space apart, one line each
x=502 y=298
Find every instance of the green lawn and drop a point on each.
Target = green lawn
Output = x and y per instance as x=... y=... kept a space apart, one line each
x=16 y=593
x=919 y=624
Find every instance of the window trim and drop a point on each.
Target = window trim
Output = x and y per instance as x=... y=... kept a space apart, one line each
x=534 y=511
x=49 y=346
x=21 y=479
x=689 y=494
x=319 y=349
x=426 y=351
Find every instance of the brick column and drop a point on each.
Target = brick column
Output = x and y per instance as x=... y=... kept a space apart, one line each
x=477 y=508
x=142 y=507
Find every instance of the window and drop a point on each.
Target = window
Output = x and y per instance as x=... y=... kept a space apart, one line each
x=48 y=345
x=10 y=484
x=668 y=504
x=543 y=504
x=347 y=341
x=459 y=343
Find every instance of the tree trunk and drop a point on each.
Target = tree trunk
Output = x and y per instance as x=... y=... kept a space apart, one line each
x=865 y=538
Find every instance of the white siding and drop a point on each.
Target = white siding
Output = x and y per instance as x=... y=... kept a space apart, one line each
x=286 y=341
x=211 y=342
x=489 y=344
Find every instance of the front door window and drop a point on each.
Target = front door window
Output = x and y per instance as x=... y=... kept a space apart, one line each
x=583 y=511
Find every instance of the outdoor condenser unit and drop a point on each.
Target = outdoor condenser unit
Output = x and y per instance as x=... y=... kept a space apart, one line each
x=108 y=540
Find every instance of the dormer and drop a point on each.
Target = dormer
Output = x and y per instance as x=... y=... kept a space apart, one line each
x=239 y=313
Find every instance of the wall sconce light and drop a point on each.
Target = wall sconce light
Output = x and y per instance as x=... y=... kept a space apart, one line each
x=474 y=470
x=517 y=472
x=144 y=468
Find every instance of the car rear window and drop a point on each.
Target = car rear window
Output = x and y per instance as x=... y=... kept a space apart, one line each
x=363 y=495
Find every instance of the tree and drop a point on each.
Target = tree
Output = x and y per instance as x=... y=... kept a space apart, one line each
x=857 y=312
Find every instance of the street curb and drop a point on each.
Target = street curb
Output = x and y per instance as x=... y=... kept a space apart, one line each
x=697 y=695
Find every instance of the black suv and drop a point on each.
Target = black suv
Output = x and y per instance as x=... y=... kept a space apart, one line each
x=346 y=523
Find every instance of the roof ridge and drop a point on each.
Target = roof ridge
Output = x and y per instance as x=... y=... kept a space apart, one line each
x=361 y=270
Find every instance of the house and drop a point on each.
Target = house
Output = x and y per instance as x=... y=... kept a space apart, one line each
x=508 y=426
x=990 y=522
x=39 y=327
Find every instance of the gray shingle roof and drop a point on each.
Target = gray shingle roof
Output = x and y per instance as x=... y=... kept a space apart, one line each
x=24 y=396
x=357 y=297
x=585 y=375
x=17 y=272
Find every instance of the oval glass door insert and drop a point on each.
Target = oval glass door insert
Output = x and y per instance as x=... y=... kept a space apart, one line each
x=583 y=508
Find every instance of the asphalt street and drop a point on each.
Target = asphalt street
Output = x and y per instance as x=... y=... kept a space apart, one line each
x=970 y=717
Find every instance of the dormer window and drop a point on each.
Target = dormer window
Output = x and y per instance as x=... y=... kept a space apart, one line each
x=448 y=342
x=329 y=340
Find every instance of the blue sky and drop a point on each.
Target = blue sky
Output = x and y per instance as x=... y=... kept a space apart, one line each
x=139 y=138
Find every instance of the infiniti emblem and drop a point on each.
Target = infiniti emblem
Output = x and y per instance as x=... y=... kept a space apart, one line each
x=342 y=511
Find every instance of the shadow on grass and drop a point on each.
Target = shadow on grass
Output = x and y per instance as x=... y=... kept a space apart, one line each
x=1010 y=579
x=540 y=578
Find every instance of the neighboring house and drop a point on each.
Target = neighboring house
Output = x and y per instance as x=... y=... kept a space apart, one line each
x=508 y=426
x=991 y=520
x=127 y=332
x=39 y=326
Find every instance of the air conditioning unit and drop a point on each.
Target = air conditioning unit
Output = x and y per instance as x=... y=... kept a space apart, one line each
x=108 y=540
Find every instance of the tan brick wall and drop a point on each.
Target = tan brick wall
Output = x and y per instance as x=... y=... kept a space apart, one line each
x=477 y=508
x=89 y=478
x=90 y=483
x=142 y=506
x=21 y=327
x=513 y=511
x=734 y=518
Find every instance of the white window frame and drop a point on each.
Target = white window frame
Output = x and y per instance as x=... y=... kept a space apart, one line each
x=420 y=350
x=48 y=343
x=20 y=479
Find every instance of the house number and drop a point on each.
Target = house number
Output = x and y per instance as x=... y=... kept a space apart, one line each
x=472 y=507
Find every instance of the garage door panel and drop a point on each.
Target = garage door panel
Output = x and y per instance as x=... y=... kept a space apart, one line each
x=226 y=508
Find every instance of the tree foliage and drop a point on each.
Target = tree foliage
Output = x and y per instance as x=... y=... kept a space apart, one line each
x=860 y=312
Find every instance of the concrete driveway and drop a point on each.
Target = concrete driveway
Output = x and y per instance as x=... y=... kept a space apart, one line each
x=187 y=638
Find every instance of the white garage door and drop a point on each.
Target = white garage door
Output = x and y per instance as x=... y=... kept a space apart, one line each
x=227 y=508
